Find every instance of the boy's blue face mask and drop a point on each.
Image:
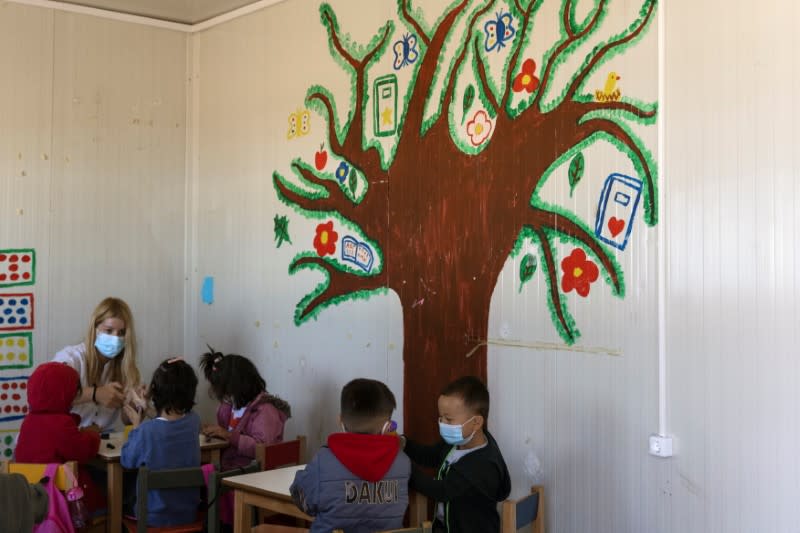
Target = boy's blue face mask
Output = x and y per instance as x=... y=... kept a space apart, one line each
x=454 y=434
x=109 y=345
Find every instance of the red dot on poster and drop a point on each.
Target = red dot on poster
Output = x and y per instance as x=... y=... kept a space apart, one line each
x=16 y=397
x=3 y=257
x=5 y=386
x=17 y=408
x=14 y=277
x=23 y=385
x=7 y=409
x=14 y=258
x=24 y=408
x=26 y=275
x=3 y=396
x=14 y=386
x=13 y=268
x=26 y=259
x=2 y=277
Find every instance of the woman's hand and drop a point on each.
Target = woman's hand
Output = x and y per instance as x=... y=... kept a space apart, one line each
x=134 y=417
x=216 y=431
x=110 y=395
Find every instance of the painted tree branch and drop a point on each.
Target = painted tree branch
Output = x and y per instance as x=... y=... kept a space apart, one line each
x=608 y=47
x=615 y=130
x=352 y=146
x=483 y=78
x=333 y=137
x=512 y=66
x=567 y=19
x=561 y=224
x=412 y=125
x=450 y=88
x=404 y=6
x=566 y=43
x=552 y=276
x=334 y=202
x=340 y=283
x=627 y=107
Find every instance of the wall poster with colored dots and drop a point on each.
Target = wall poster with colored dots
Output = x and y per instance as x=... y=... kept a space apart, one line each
x=17 y=267
x=13 y=398
x=8 y=440
x=16 y=311
x=16 y=350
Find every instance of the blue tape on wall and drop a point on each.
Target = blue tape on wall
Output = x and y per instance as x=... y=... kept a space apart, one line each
x=208 y=290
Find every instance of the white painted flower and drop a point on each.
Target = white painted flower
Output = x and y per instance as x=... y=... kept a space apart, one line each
x=479 y=128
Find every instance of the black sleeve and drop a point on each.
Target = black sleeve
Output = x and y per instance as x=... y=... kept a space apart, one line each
x=451 y=488
x=423 y=455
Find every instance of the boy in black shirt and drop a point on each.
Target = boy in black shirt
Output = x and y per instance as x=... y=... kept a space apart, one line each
x=471 y=475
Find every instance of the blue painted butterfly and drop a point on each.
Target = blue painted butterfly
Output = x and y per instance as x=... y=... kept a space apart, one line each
x=405 y=51
x=498 y=31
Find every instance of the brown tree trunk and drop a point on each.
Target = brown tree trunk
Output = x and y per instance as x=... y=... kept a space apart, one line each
x=438 y=335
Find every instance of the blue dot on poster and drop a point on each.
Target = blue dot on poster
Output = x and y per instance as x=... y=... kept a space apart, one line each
x=23 y=320
x=24 y=301
x=12 y=320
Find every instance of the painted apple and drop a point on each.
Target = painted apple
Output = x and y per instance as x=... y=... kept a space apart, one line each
x=321 y=157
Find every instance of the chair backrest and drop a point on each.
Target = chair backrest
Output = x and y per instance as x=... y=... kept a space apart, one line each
x=175 y=478
x=525 y=511
x=216 y=490
x=34 y=472
x=426 y=527
x=287 y=453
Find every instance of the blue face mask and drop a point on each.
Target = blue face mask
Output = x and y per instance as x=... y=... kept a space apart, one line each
x=109 y=345
x=454 y=434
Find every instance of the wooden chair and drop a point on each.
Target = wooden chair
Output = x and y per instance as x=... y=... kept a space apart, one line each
x=177 y=478
x=287 y=453
x=272 y=456
x=525 y=511
x=426 y=527
x=34 y=472
x=216 y=490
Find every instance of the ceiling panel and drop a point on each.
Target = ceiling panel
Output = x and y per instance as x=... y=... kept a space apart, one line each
x=184 y=11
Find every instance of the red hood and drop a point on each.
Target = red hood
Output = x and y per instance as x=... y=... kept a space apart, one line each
x=52 y=388
x=367 y=456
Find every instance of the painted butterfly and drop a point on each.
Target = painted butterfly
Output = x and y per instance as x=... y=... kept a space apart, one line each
x=405 y=51
x=299 y=124
x=498 y=31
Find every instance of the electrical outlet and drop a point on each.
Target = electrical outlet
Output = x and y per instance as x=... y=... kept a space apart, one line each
x=660 y=446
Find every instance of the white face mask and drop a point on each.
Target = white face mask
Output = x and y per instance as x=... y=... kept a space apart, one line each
x=453 y=434
x=109 y=345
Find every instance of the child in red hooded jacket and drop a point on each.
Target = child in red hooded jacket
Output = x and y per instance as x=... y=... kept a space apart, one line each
x=50 y=434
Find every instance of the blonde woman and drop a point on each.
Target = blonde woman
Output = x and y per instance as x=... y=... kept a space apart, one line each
x=106 y=362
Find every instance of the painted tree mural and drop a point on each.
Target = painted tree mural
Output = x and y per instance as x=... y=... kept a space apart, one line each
x=436 y=188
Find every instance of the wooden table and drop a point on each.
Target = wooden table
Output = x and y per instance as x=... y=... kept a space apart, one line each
x=108 y=456
x=270 y=490
x=266 y=490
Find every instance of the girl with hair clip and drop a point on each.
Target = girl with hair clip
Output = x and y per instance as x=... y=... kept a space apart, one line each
x=106 y=363
x=248 y=415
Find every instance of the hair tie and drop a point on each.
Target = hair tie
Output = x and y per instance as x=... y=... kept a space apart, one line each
x=174 y=360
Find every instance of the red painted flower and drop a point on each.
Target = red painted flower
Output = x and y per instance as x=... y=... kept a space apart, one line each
x=579 y=273
x=325 y=240
x=526 y=80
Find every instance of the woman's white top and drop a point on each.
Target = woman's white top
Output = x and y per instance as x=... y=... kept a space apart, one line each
x=108 y=420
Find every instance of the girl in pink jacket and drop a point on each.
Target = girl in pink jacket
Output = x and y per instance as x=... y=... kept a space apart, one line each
x=248 y=415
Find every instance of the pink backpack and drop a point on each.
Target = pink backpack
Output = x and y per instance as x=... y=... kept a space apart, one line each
x=57 y=519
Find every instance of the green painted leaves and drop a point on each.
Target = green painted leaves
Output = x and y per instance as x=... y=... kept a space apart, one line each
x=576 y=167
x=469 y=97
x=527 y=268
x=352 y=182
x=281 y=228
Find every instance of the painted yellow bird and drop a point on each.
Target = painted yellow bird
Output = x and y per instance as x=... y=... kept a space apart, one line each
x=610 y=92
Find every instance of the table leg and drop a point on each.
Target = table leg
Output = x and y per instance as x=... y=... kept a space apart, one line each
x=114 y=478
x=214 y=456
x=417 y=508
x=242 y=516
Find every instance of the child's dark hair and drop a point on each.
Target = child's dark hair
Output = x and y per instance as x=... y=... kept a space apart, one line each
x=173 y=387
x=232 y=377
x=365 y=405
x=472 y=392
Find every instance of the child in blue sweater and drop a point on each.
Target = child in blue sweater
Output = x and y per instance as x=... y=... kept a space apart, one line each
x=171 y=440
